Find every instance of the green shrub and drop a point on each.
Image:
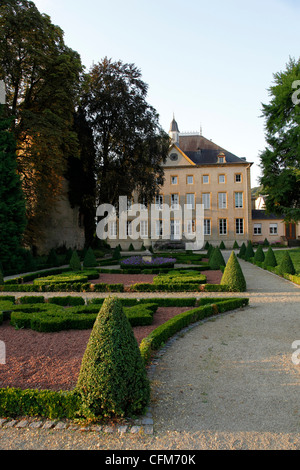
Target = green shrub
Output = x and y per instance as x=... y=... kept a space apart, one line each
x=249 y=253
x=236 y=245
x=233 y=276
x=209 y=251
x=206 y=246
x=270 y=259
x=266 y=242
x=90 y=259
x=31 y=300
x=112 y=380
x=117 y=253
x=75 y=263
x=131 y=247
x=222 y=246
x=259 y=254
x=216 y=259
x=242 y=250
x=52 y=259
x=68 y=256
x=286 y=265
x=66 y=301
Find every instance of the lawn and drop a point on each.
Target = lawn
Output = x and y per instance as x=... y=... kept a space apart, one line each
x=294 y=254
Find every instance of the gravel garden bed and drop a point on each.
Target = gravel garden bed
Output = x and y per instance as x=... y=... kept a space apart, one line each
x=52 y=361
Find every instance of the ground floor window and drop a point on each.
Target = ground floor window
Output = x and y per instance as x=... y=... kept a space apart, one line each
x=239 y=226
x=223 y=226
x=207 y=227
x=257 y=229
x=273 y=229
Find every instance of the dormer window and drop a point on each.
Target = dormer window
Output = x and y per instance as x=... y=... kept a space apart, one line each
x=221 y=158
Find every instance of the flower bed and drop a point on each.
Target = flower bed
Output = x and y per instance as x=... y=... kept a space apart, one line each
x=136 y=262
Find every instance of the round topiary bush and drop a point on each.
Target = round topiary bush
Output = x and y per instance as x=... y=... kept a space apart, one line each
x=286 y=265
x=112 y=381
x=259 y=254
x=233 y=276
x=270 y=259
x=216 y=259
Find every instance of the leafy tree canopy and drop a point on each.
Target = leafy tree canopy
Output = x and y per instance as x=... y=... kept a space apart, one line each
x=129 y=142
x=280 y=161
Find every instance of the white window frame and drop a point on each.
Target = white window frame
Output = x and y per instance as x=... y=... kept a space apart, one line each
x=222 y=179
x=175 y=201
x=223 y=227
x=190 y=200
x=204 y=179
x=239 y=226
x=239 y=200
x=222 y=200
x=190 y=177
x=159 y=228
x=257 y=229
x=113 y=230
x=207 y=227
x=174 y=180
x=238 y=178
x=273 y=229
x=159 y=200
x=206 y=201
x=144 y=228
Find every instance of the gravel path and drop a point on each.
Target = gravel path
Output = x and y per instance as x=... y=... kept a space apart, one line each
x=229 y=383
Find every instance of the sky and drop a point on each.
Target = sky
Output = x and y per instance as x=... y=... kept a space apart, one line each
x=209 y=63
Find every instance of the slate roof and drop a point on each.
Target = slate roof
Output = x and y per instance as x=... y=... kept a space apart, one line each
x=262 y=215
x=203 y=151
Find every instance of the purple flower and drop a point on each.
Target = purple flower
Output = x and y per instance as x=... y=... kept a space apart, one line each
x=139 y=261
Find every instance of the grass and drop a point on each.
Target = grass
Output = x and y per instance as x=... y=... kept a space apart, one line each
x=294 y=254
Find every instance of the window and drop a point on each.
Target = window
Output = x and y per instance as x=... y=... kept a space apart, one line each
x=129 y=229
x=143 y=205
x=238 y=178
x=221 y=159
x=273 y=229
x=257 y=229
x=144 y=228
x=190 y=201
x=159 y=202
x=159 y=228
x=207 y=227
x=113 y=229
x=175 y=229
x=239 y=200
x=205 y=179
x=174 y=201
x=222 y=179
x=190 y=227
x=206 y=200
x=222 y=201
x=174 y=179
x=190 y=179
x=223 y=226
x=129 y=204
x=239 y=226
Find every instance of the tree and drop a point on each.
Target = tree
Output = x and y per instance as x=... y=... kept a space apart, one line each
x=42 y=77
x=130 y=145
x=233 y=276
x=280 y=161
x=113 y=381
x=270 y=259
x=12 y=204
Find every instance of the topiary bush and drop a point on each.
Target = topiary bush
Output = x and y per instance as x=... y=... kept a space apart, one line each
x=112 y=380
x=249 y=253
x=90 y=260
x=286 y=265
x=222 y=246
x=266 y=242
x=242 y=250
x=216 y=259
x=75 y=263
x=236 y=245
x=259 y=254
x=233 y=276
x=270 y=259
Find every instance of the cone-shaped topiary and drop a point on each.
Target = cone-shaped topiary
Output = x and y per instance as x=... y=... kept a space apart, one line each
x=216 y=260
x=259 y=254
x=206 y=246
x=112 y=381
x=266 y=242
x=90 y=259
x=236 y=245
x=242 y=250
x=209 y=251
x=286 y=265
x=233 y=276
x=222 y=246
x=270 y=259
x=249 y=253
x=75 y=263
x=131 y=247
x=117 y=253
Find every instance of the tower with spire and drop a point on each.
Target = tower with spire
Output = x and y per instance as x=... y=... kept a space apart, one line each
x=174 y=132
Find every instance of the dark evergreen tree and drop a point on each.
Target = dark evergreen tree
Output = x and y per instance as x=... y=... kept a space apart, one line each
x=12 y=204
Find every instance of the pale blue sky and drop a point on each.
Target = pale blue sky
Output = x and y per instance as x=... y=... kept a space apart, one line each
x=209 y=62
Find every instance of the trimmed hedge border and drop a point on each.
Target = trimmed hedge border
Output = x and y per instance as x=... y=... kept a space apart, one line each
x=67 y=405
x=161 y=334
x=295 y=278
